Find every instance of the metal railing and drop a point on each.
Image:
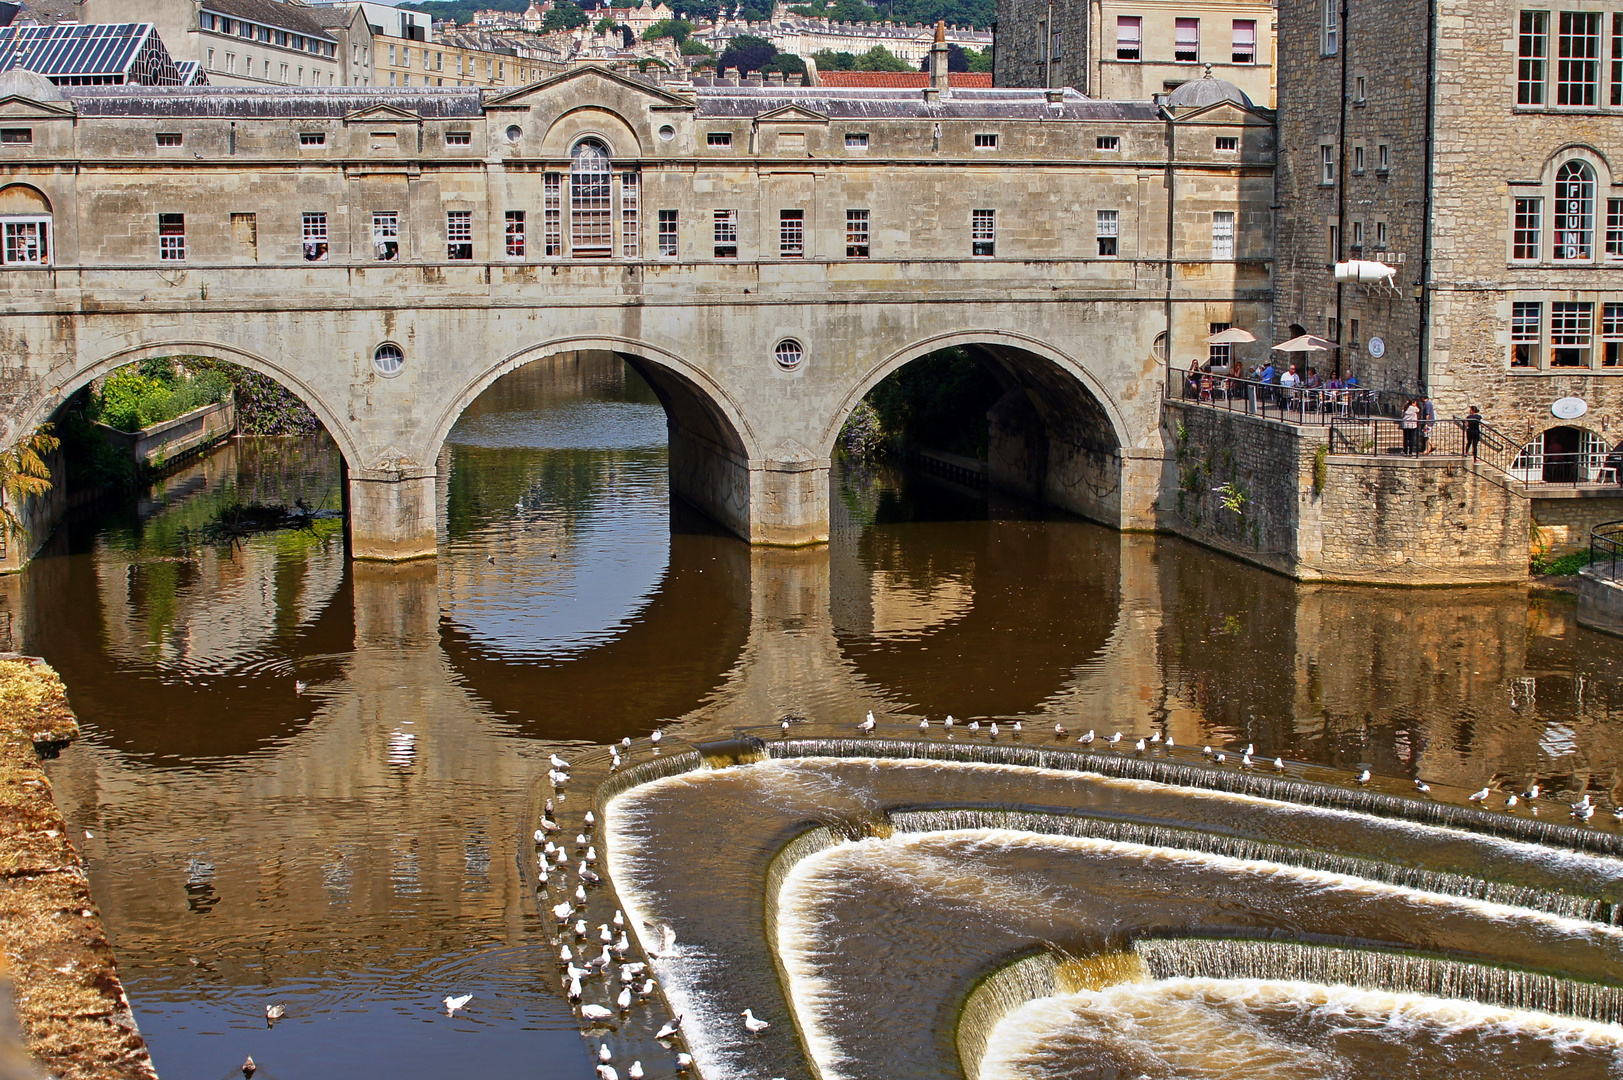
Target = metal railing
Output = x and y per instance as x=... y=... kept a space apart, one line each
x=1605 y=545
x=1292 y=404
x=1519 y=463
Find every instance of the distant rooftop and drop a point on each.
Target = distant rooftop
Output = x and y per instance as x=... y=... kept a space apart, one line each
x=956 y=104
x=270 y=103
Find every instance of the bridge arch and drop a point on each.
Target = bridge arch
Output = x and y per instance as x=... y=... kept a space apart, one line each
x=53 y=396
x=1057 y=435
x=711 y=442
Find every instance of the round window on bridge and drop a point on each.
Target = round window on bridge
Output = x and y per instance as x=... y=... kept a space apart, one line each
x=667 y=133
x=388 y=359
x=514 y=133
x=789 y=354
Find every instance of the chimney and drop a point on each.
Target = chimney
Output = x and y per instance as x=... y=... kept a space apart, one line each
x=938 y=58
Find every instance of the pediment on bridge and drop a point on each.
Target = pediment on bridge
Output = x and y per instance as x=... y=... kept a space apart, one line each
x=792 y=114
x=595 y=83
x=17 y=107
x=382 y=114
x=1225 y=112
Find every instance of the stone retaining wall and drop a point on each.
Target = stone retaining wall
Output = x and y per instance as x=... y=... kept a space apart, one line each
x=76 y=1021
x=1316 y=516
x=1561 y=525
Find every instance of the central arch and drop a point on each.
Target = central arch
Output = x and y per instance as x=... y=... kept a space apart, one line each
x=711 y=444
x=1056 y=435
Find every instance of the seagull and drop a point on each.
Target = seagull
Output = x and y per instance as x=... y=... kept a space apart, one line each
x=606 y=1072
x=1279 y=764
x=1531 y=793
x=1583 y=812
x=624 y=1000
x=274 y=1013
x=589 y=876
x=563 y=911
x=635 y=1072
x=784 y=725
x=1155 y=736
x=667 y=941
x=604 y=935
x=1169 y=742
x=1059 y=731
x=1617 y=813
x=684 y=1062
x=626 y=742
x=580 y=930
x=1250 y=748
x=948 y=722
x=1016 y=726
x=1221 y=758
x=974 y=725
x=1422 y=786
x=1245 y=760
x=565 y=955
x=578 y=973
x=596 y=1012
x=1139 y=746
x=1087 y=740
x=924 y=725
x=580 y=894
x=1114 y=739
x=547 y=826
x=574 y=987
x=647 y=987
x=669 y=1029
x=867 y=725
x=558 y=762
x=619 y=917
x=656 y=736
x=1363 y=777
x=1480 y=796
x=1510 y=802
x=603 y=1054
x=491 y=559
x=249 y=1068
x=755 y=1026
x=300 y=686
x=1205 y=751
x=591 y=819
x=993 y=730
x=452 y=1004
x=622 y=946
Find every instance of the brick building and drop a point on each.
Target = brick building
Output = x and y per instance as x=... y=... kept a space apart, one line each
x=1472 y=153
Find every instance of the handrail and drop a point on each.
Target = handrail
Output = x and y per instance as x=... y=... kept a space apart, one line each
x=1516 y=462
x=1603 y=541
x=1292 y=404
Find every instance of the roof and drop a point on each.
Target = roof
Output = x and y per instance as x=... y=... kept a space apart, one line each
x=73 y=49
x=191 y=73
x=269 y=13
x=852 y=104
x=1198 y=93
x=905 y=80
x=274 y=103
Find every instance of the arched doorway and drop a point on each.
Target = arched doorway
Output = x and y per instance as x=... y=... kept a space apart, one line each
x=1563 y=455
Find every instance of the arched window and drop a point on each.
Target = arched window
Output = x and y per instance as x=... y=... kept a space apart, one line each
x=1575 y=211
x=591 y=201
x=25 y=226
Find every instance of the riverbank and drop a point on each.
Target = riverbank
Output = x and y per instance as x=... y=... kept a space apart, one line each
x=75 y=1019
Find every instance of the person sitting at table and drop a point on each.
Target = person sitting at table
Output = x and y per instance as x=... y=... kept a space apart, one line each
x=1351 y=382
x=1313 y=382
x=1291 y=379
x=1333 y=384
x=1236 y=369
x=1267 y=373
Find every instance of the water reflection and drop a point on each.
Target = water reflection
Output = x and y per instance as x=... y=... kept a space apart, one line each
x=349 y=846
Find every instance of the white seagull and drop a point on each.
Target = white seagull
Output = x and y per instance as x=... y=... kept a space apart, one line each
x=1114 y=739
x=924 y=725
x=755 y=1026
x=624 y=1000
x=603 y=1054
x=1279 y=764
x=867 y=725
x=452 y=1004
x=1422 y=786
x=684 y=1062
x=993 y=730
x=558 y=762
x=1139 y=746
x=1363 y=777
x=1087 y=740
x=596 y=1012
x=669 y=1029
x=949 y=721
x=635 y=1072
x=606 y=1072
x=656 y=736
x=1480 y=795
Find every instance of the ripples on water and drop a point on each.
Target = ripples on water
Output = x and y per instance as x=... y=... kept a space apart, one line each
x=350 y=849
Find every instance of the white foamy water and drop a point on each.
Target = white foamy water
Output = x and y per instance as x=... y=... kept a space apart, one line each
x=1221 y=1028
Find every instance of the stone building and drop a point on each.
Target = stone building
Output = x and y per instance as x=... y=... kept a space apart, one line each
x=1473 y=153
x=764 y=254
x=1135 y=48
x=242 y=42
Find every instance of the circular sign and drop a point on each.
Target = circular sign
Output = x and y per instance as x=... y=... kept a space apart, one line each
x=1377 y=347
x=1569 y=408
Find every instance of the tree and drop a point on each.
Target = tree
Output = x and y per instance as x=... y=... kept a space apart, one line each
x=694 y=47
x=24 y=475
x=678 y=30
x=880 y=58
x=605 y=25
x=565 y=15
x=978 y=60
x=746 y=53
x=788 y=63
x=829 y=60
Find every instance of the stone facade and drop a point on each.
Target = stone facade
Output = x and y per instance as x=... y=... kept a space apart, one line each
x=1320 y=516
x=765 y=256
x=1088 y=45
x=1561 y=526
x=1447 y=147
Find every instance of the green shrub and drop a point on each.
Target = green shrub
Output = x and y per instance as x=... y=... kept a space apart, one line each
x=130 y=401
x=1562 y=567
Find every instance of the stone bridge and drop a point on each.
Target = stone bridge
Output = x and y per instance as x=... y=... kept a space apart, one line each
x=762 y=256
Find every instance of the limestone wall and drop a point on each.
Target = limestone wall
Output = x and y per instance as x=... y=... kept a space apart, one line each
x=1561 y=526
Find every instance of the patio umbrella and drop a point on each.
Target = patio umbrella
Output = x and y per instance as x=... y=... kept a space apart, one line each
x=1232 y=336
x=1306 y=343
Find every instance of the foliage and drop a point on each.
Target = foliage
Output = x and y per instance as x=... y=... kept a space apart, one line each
x=605 y=25
x=1321 y=468
x=877 y=58
x=1233 y=497
x=130 y=401
x=958 y=59
x=264 y=406
x=747 y=53
x=25 y=475
x=940 y=401
x=788 y=63
x=691 y=47
x=1565 y=566
x=565 y=15
x=979 y=60
x=678 y=30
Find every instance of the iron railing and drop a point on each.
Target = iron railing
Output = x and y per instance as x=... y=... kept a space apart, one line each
x=1295 y=405
x=1605 y=544
x=1519 y=463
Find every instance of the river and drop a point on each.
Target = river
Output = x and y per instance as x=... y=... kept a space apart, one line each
x=308 y=782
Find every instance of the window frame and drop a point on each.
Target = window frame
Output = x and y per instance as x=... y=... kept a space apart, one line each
x=724 y=233
x=591 y=201
x=17 y=136
x=25 y=233
x=1526 y=228
x=459 y=236
x=1236 y=52
x=515 y=234
x=791 y=234
x=1136 y=39
x=171 y=138
x=172 y=237
x=1233 y=142
x=1578 y=74
x=1330 y=31
x=552 y=214
x=1327 y=165
x=856 y=140
x=386 y=235
x=630 y=214
x=312 y=138
x=718 y=140
x=1574 y=242
x=1532 y=58
x=1223 y=235
x=1108 y=144
x=983 y=233
x=1107 y=233
x=986 y=140
x=669 y=234
x=1526 y=333
x=858 y=233
x=315 y=240
x=1572 y=329
x=1181 y=52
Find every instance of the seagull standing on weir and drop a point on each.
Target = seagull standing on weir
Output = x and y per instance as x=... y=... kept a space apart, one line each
x=755 y=1026
x=1480 y=796
x=867 y=724
x=670 y=1028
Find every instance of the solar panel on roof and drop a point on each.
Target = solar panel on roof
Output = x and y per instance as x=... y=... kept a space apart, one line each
x=105 y=49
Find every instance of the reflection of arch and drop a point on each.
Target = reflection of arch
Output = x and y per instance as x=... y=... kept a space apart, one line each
x=23 y=199
x=53 y=397
x=1001 y=345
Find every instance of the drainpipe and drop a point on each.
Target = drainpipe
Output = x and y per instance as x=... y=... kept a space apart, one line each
x=1172 y=188
x=1048 y=48
x=1421 y=373
x=1343 y=178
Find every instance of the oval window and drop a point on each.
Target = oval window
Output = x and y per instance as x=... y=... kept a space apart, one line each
x=667 y=133
x=514 y=133
x=789 y=354
x=388 y=359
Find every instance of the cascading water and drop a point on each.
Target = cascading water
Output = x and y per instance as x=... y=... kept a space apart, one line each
x=865 y=896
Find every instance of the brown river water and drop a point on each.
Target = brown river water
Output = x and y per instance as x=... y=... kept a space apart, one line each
x=312 y=783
